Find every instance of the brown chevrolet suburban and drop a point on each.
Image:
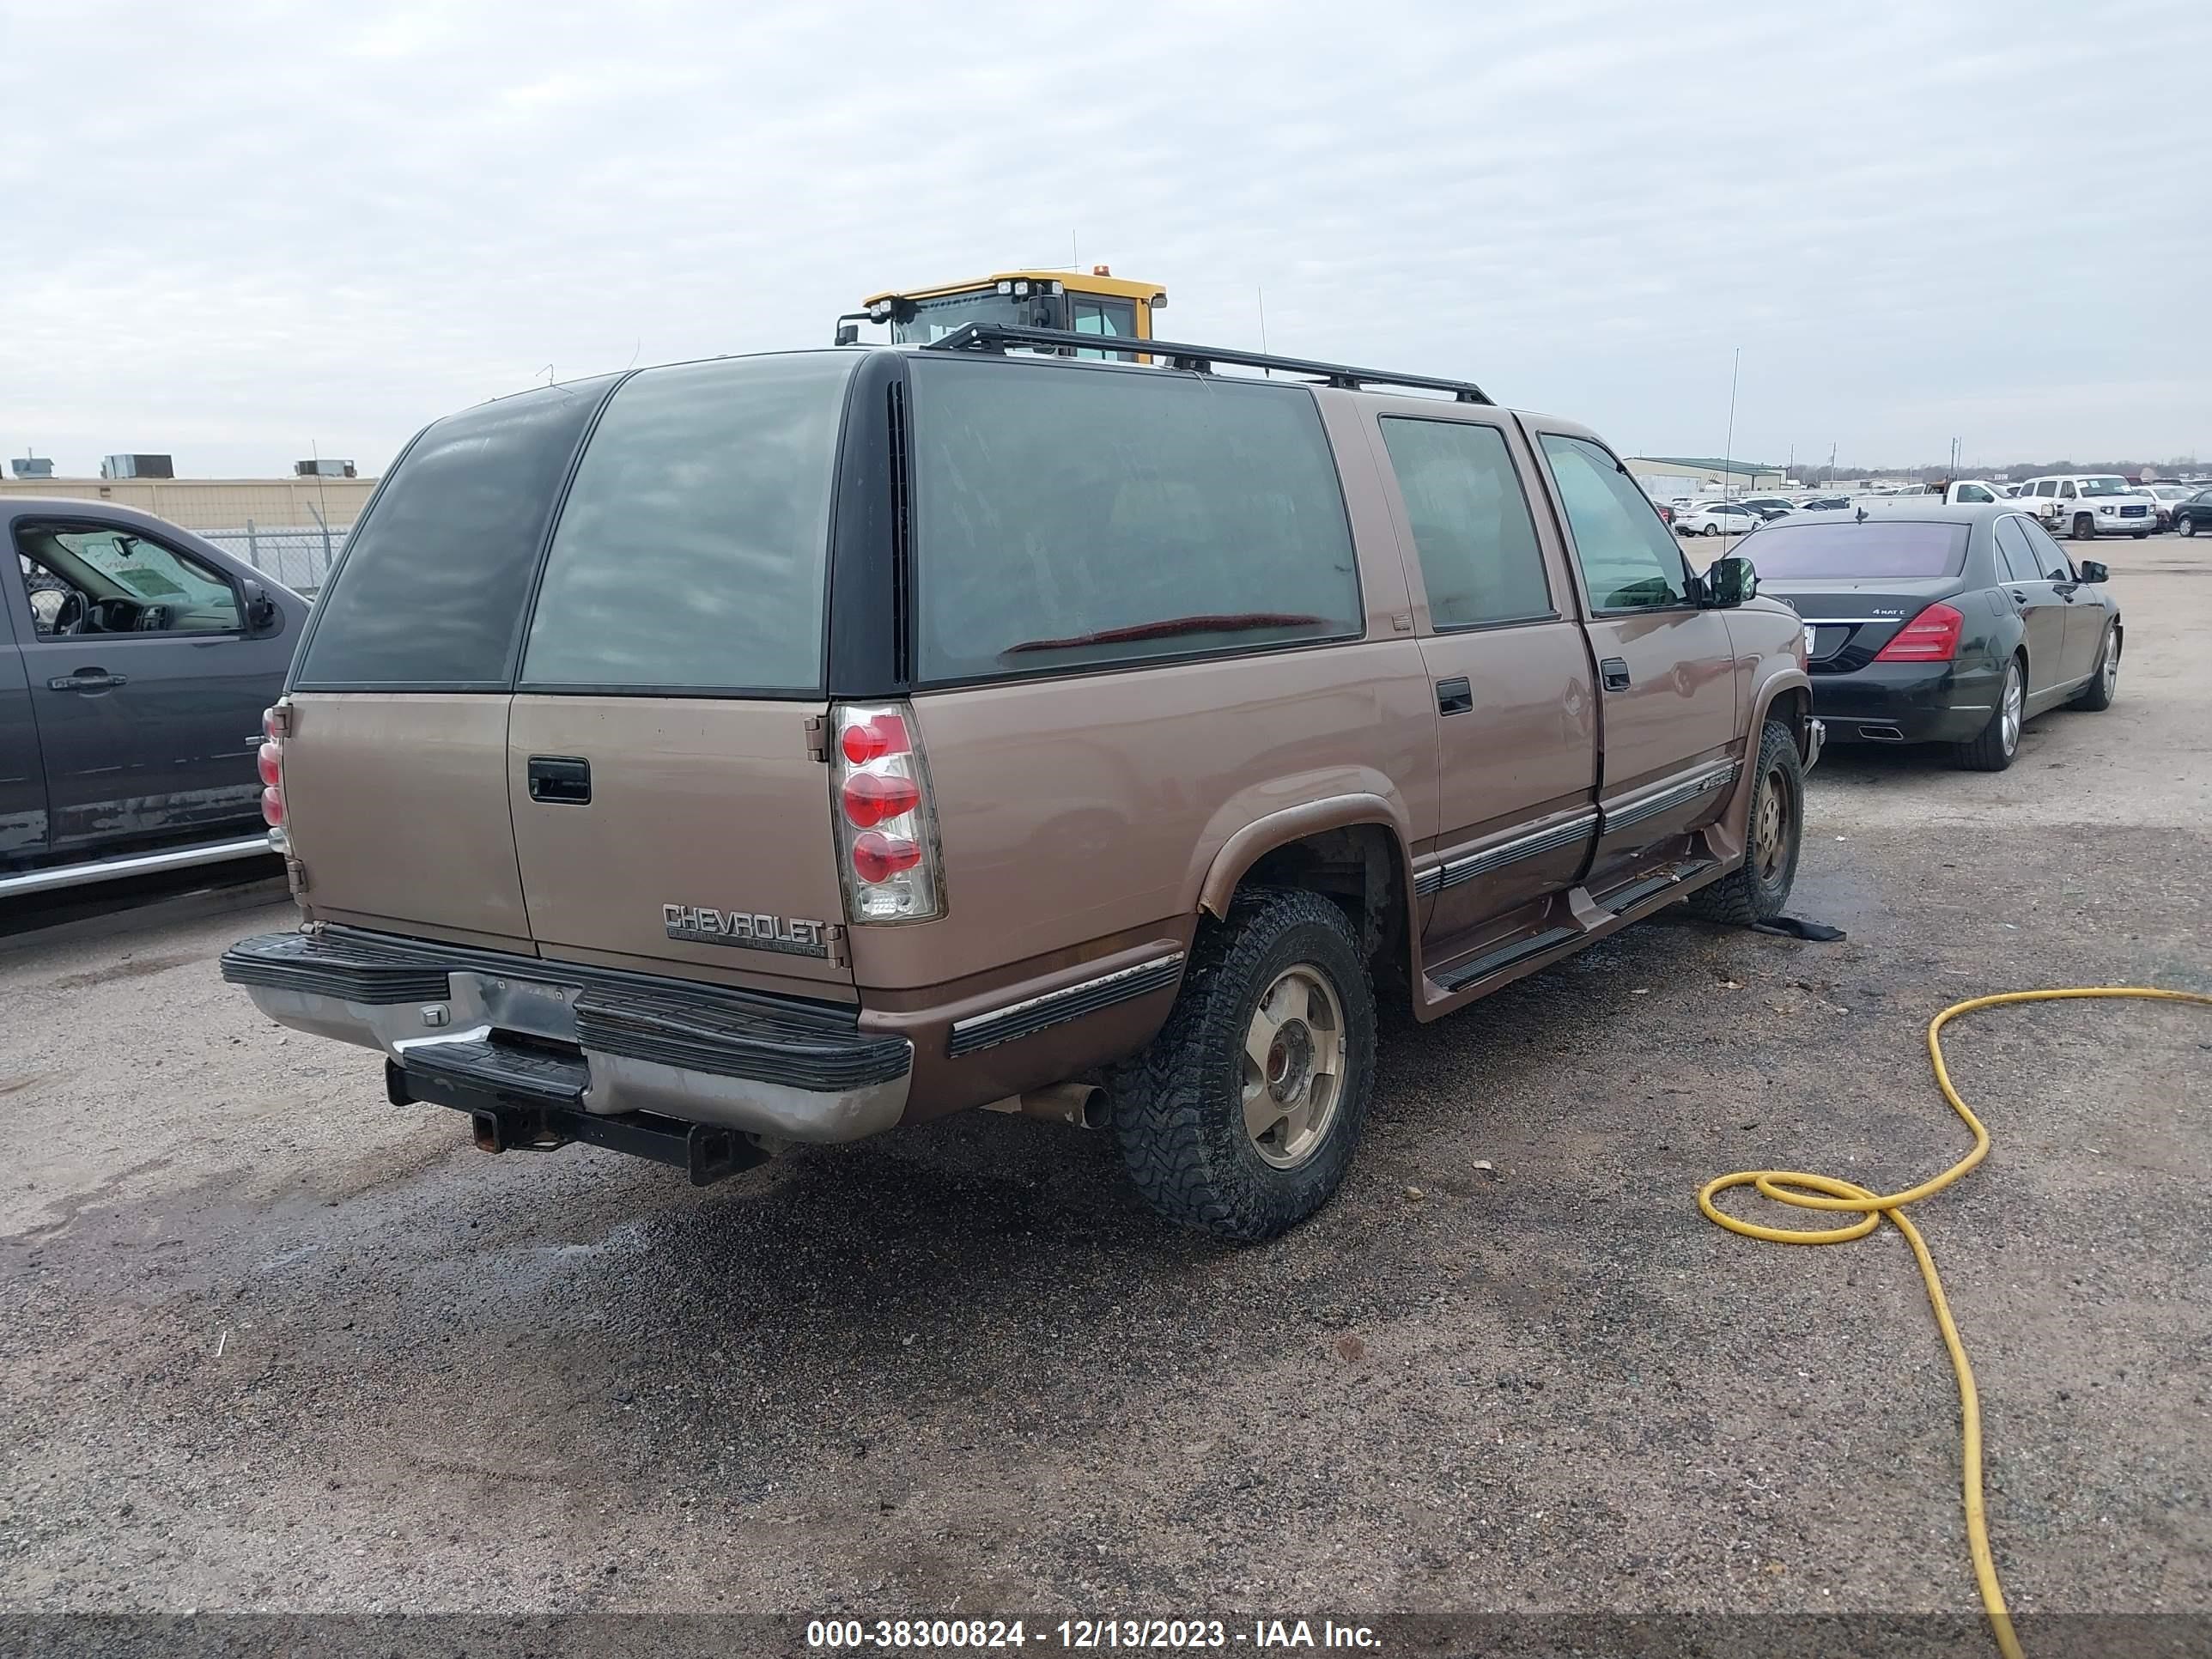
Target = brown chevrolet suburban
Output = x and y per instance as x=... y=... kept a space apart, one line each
x=784 y=748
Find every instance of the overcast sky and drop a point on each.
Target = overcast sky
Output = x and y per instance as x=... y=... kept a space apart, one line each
x=231 y=231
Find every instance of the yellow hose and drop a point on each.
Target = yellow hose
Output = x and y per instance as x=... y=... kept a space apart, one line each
x=1825 y=1192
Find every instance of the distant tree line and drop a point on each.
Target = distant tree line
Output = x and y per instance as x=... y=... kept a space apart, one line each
x=1936 y=472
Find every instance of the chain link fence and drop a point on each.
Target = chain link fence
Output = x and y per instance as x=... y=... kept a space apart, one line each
x=299 y=557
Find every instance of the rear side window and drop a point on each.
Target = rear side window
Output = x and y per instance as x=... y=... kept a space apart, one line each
x=431 y=591
x=2014 y=552
x=1070 y=518
x=1629 y=558
x=1472 y=528
x=693 y=552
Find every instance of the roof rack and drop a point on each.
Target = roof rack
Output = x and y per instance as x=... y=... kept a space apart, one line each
x=997 y=336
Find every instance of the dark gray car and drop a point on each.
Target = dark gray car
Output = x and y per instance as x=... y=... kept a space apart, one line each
x=134 y=662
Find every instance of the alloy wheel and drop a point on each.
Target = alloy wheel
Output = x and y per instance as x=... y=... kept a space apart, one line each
x=2015 y=703
x=1770 y=826
x=1293 y=1066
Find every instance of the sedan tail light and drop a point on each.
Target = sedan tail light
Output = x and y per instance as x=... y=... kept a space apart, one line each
x=1931 y=636
x=886 y=826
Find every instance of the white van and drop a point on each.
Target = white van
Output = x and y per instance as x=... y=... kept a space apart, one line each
x=2087 y=505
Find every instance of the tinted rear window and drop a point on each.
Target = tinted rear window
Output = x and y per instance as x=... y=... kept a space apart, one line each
x=433 y=584
x=692 y=553
x=1070 y=518
x=1851 y=551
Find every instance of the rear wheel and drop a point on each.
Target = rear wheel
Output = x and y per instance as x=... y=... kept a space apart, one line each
x=1758 y=890
x=1993 y=749
x=2098 y=694
x=1241 y=1117
x=2085 y=527
x=2189 y=527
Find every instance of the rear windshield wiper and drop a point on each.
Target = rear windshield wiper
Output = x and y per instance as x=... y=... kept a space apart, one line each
x=1231 y=623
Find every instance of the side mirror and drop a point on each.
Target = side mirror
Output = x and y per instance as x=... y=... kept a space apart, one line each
x=2094 y=572
x=847 y=334
x=1729 y=582
x=260 y=608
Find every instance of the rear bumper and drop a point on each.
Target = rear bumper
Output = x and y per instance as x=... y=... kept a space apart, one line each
x=551 y=1037
x=1905 y=703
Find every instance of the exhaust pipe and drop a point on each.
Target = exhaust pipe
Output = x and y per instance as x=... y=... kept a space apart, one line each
x=1083 y=1104
x=1881 y=734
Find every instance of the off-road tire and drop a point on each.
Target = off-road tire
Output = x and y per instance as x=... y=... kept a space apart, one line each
x=1178 y=1108
x=2097 y=695
x=2085 y=528
x=1745 y=895
x=1986 y=750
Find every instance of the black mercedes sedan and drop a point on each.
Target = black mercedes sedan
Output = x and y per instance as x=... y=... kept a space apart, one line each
x=1954 y=625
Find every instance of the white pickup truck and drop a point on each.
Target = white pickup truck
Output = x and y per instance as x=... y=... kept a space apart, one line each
x=2087 y=505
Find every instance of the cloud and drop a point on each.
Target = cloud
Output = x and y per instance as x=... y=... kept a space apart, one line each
x=231 y=231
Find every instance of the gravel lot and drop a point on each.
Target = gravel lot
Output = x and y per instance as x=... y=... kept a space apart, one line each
x=267 y=1342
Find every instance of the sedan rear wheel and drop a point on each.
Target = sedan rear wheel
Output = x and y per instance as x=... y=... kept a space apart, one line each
x=2189 y=527
x=1993 y=749
x=2098 y=694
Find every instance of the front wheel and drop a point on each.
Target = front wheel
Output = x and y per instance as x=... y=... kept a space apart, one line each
x=1758 y=890
x=2085 y=528
x=2189 y=527
x=1711 y=530
x=1992 y=749
x=1241 y=1117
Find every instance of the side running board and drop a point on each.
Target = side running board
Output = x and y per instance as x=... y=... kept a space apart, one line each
x=1633 y=895
x=1504 y=955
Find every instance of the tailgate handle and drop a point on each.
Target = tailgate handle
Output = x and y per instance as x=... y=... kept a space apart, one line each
x=561 y=779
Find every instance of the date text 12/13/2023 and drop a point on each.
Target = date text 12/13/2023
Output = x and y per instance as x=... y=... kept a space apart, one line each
x=1081 y=1635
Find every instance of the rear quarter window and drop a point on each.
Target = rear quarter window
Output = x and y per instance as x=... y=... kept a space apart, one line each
x=431 y=591
x=1070 y=518
x=692 y=554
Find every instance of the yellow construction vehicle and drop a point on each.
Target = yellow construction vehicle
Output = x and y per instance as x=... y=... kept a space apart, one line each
x=1100 y=303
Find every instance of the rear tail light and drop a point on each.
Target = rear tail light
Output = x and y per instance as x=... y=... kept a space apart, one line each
x=1931 y=636
x=886 y=826
x=269 y=761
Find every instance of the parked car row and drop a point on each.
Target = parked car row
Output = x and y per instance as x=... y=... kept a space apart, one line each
x=2080 y=506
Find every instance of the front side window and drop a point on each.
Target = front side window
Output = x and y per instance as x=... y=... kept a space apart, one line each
x=114 y=580
x=1472 y=528
x=431 y=590
x=1629 y=559
x=1974 y=493
x=2066 y=491
x=693 y=551
x=1070 y=518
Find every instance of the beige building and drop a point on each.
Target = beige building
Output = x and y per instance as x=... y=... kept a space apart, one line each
x=205 y=504
x=1664 y=476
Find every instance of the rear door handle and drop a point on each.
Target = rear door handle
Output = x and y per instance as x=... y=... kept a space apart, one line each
x=1455 y=695
x=85 y=679
x=1614 y=671
x=2018 y=598
x=561 y=780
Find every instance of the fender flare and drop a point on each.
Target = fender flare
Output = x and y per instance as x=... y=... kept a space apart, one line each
x=1736 y=815
x=1245 y=847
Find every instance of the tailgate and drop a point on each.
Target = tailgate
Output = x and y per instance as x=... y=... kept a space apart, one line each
x=678 y=834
